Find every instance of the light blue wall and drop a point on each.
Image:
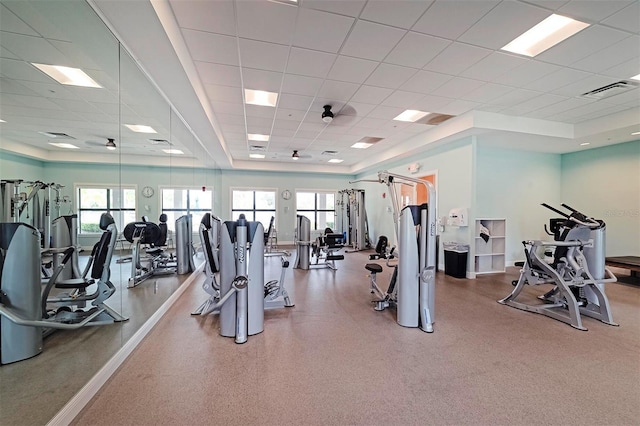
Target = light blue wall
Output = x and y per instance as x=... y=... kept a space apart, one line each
x=16 y=167
x=512 y=184
x=605 y=183
x=278 y=181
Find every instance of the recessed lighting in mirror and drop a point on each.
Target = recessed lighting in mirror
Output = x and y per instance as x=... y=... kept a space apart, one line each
x=258 y=137
x=2 y=121
x=172 y=151
x=544 y=35
x=635 y=133
x=335 y=160
x=63 y=145
x=361 y=145
x=584 y=144
x=260 y=97
x=140 y=128
x=635 y=77
x=258 y=156
x=411 y=115
x=67 y=75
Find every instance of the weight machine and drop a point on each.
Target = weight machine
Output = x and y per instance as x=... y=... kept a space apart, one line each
x=413 y=294
x=352 y=219
x=577 y=270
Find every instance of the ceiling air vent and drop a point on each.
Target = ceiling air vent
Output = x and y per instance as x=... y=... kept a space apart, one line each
x=160 y=142
x=610 y=90
x=329 y=152
x=370 y=139
x=257 y=148
x=57 y=135
x=434 y=119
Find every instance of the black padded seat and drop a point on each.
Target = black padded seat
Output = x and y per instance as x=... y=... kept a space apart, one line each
x=335 y=257
x=74 y=283
x=373 y=267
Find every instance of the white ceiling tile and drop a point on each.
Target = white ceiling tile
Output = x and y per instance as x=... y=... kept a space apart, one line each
x=625 y=70
x=354 y=70
x=269 y=81
x=305 y=134
x=627 y=19
x=425 y=82
x=632 y=97
x=456 y=58
x=556 y=80
x=529 y=71
x=371 y=95
x=430 y=103
x=53 y=90
x=228 y=75
x=373 y=41
x=209 y=47
x=4 y=53
x=536 y=103
x=213 y=16
x=236 y=108
x=301 y=85
x=310 y=62
x=337 y=90
x=294 y=101
x=552 y=111
x=345 y=120
x=458 y=107
x=313 y=127
x=264 y=56
x=10 y=23
x=312 y=30
x=609 y=57
x=515 y=97
x=493 y=66
x=230 y=119
x=260 y=111
x=77 y=106
x=503 y=23
x=582 y=45
x=283 y=133
x=487 y=92
x=450 y=19
x=266 y=21
x=224 y=93
x=457 y=87
x=296 y=115
x=397 y=13
x=341 y=7
x=390 y=76
x=416 y=50
x=22 y=71
x=385 y=112
x=369 y=123
x=593 y=11
x=260 y=125
x=35 y=49
x=402 y=99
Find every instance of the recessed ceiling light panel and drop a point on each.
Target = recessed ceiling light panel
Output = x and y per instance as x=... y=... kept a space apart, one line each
x=260 y=97
x=140 y=128
x=635 y=77
x=172 y=151
x=411 y=115
x=361 y=145
x=335 y=160
x=258 y=137
x=585 y=144
x=63 y=145
x=67 y=75
x=257 y=156
x=544 y=35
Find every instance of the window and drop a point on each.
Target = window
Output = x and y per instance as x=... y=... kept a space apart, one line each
x=257 y=205
x=319 y=207
x=120 y=202
x=177 y=202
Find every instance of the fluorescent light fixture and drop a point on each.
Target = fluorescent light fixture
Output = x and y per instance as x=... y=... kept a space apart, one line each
x=411 y=115
x=260 y=97
x=635 y=77
x=361 y=145
x=258 y=137
x=635 y=133
x=546 y=34
x=2 y=121
x=335 y=160
x=256 y=156
x=140 y=128
x=585 y=144
x=63 y=145
x=67 y=75
x=172 y=151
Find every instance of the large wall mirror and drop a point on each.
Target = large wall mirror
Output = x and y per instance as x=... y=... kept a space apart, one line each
x=118 y=147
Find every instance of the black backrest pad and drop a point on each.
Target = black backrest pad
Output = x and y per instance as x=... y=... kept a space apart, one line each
x=101 y=250
x=162 y=238
x=105 y=220
x=208 y=249
x=149 y=232
x=381 y=247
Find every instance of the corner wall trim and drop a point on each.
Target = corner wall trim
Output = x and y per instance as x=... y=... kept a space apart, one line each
x=72 y=408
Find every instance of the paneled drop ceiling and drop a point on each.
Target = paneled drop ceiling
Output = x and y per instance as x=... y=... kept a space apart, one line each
x=372 y=60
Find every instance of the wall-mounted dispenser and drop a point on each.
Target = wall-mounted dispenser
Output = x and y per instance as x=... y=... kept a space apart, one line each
x=458 y=216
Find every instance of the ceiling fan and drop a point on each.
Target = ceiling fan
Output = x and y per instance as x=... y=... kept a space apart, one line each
x=347 y=113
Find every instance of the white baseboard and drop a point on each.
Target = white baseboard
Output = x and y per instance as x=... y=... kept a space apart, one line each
x=88 y=391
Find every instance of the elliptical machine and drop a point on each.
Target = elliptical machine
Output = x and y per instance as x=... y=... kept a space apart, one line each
x=577 y=271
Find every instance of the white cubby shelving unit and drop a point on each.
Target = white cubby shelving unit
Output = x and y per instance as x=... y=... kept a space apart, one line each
x=489 y=256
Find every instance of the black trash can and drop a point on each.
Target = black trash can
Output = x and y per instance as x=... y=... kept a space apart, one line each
x=455 y=260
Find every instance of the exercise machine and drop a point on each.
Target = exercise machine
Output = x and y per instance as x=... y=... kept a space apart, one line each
x=576 y=271
x=28 y=313
x=352 y=219
x=324 y=248
x=275 y=293
x=271 y=241
x=156 y=262
x=413 y=293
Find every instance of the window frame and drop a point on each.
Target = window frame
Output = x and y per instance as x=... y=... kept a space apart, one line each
x=77 y=187
x=314 y=226
x=274 y=211
x=188 y=209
